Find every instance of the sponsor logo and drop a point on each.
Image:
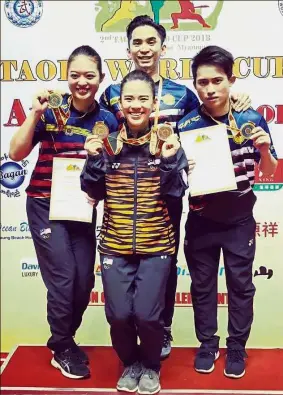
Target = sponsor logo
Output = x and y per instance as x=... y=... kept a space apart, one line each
x=15 y=232
x=269 y=184
x=173 y=15
x=29 y=267
x=23 y=13
x=12 y=176
x=280 y=6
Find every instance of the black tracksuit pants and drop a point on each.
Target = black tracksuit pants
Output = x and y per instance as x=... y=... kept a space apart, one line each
x=203 y=242
x=134 y=289
x=66 y=255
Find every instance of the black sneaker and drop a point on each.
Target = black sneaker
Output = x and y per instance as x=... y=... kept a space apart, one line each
x=235 y=363
x=204 y=360
x=70 y=365
x=166 y=347
x=80 y=354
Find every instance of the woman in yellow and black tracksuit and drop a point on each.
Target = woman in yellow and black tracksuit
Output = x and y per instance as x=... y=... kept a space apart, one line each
x=133 y=175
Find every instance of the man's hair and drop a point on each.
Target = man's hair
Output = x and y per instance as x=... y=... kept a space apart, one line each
x=213 y=56
x=138 y=75
x=145 y=20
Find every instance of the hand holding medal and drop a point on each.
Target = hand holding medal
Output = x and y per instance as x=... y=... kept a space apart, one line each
x=170 y=146
x=261 y=139
x=93 y=145
x=40 y=102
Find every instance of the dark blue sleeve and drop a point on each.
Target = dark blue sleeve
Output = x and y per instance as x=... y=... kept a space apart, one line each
x=264 y=126
x=112 y=123
x=104 y=99
x=93 y=177
x=192 y=101
x=39 y=131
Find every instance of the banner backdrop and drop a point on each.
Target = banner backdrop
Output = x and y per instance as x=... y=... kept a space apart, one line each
x=37 y=38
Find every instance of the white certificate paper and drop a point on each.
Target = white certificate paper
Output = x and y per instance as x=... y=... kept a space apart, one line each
x=68 y=201
x=214 y=170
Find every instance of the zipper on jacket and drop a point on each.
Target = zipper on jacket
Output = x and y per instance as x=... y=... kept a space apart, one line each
x=135 y=204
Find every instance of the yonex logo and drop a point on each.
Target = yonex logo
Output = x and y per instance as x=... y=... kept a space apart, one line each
x=115 y=165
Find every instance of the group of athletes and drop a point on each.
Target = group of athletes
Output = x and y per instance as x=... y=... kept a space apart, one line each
x=142 y=178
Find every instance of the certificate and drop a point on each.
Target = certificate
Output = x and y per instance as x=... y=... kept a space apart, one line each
x=214 y=170
x=68 y=201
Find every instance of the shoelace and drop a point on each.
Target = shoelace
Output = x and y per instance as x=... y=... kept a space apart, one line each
x=205 y=353
x=236 y=355
x=131 y=371
x=167 y=338
x=149 y=373
x=70 y=356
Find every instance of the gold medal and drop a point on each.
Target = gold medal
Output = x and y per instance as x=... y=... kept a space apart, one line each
x=247 y=129
x=168 y=99
x=164 y=131
x=55 y=100
x=101 y=130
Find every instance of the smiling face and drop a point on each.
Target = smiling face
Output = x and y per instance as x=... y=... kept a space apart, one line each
x=137 y=103
x=145 y=49
x=213 y=87
x=84 y=79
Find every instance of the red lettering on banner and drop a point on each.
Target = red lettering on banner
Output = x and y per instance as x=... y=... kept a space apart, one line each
x=222 y=298
x=266 y=229
x=269 y=113
x=279 y=108
x=17 y=114
x=96 y=298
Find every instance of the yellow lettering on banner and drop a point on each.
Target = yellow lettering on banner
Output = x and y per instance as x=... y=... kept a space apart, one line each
x=167 y=68
x=237 y=67
x=46 y=70
x=6 y=68
x=63 y=70
x=278 y=73
x=186 y=69
x=257 y=67
x=117 y=66
x=25 y=73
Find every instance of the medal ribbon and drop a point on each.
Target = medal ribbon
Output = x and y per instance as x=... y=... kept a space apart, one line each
x=153 y=145
x=60 y=115
x=232 y=122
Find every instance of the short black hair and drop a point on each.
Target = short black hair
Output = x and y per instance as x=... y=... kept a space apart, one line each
x=145 y=20
x=215 y=56
x=87 y=51
x=140 y=76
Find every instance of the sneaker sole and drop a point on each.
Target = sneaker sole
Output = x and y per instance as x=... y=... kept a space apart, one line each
x=234 y=376
x=85 y=361
x=212 y=367
x=127 y=389
x=165 y=356
x=66 y=374
x=149 y=392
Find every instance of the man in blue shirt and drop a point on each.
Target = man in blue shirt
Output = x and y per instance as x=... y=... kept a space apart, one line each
x=224 y=221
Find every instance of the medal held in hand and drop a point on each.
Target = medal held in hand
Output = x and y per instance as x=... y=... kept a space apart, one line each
x=247 y=129
x=101 y=130
x=55 y=100
x=164 y=131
